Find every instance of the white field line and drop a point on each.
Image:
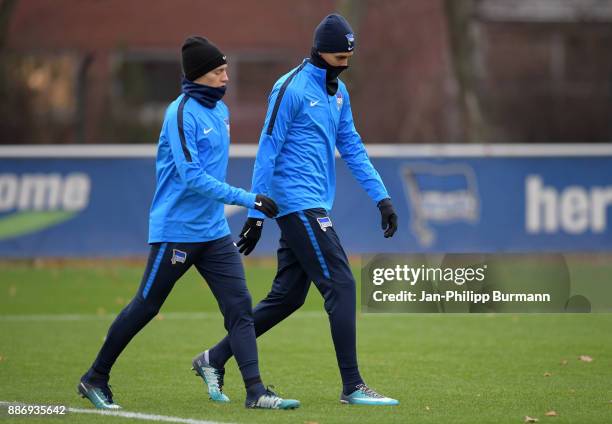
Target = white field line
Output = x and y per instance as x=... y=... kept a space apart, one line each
x=105 y=317
x=125 y=414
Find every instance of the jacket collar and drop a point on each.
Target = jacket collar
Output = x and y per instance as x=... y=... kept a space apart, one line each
x=317 y=73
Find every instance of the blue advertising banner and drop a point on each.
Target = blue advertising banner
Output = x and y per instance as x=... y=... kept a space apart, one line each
x=98 y=206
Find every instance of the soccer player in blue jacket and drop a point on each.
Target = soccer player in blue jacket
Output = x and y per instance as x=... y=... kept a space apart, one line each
x=187 y=227
x=309 y=117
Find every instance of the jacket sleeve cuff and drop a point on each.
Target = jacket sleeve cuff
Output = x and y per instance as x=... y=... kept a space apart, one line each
x=248 y=199
x=381 y=196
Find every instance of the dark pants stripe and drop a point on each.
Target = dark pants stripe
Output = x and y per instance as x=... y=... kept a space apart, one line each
x=154 y=269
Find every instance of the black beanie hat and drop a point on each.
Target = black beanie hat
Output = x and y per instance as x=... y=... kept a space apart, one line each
x=200 y=56
x=334 y=35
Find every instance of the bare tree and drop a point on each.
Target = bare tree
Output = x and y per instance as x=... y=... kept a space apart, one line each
x=462 y=41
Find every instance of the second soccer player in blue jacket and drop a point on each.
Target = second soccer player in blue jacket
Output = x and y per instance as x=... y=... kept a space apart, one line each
x=309 y=117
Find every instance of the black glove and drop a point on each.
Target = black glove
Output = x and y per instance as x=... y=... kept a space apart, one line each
x=266 y=205
x=250 y=234
x=388 y=217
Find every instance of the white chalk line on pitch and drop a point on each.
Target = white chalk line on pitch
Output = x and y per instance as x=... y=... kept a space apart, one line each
x=124 y=414
x=162 y=316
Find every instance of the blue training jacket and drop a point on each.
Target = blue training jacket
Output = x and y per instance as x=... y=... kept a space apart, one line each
x=191 y=165
x=295 y=162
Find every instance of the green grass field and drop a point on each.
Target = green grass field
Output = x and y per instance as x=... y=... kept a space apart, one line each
x=443 y=368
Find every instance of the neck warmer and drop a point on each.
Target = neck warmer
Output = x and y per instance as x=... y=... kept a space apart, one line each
x=205 y=95
x=331 y=77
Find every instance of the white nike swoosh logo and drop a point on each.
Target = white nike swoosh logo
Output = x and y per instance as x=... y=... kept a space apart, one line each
x=313 y=103
x=208 y=130
x=258 y=203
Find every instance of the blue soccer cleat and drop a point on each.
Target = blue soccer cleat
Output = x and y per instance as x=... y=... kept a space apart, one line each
x=100 y=396
x=270 y=400
x=366 y=396
x=213 y=378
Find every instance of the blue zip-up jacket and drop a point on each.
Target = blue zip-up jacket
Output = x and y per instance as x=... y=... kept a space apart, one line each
x=304 y=125
x=191 y=165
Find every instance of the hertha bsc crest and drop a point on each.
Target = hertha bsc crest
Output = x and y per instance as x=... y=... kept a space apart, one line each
x=339 y=100
x=324 y=222
x=350 y=39
x=178 y=256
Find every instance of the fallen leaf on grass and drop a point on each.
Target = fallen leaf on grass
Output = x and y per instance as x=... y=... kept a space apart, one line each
x=310 y=422
x=585 y=358
x=552 y=413
x=529 y=419
x=547 y=374
x=564 y=362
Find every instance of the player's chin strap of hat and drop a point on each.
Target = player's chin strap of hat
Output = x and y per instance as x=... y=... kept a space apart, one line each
x=332 y=35
x=200 y=56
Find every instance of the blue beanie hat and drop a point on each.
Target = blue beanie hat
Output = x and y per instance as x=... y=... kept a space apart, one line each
x=334 y=35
